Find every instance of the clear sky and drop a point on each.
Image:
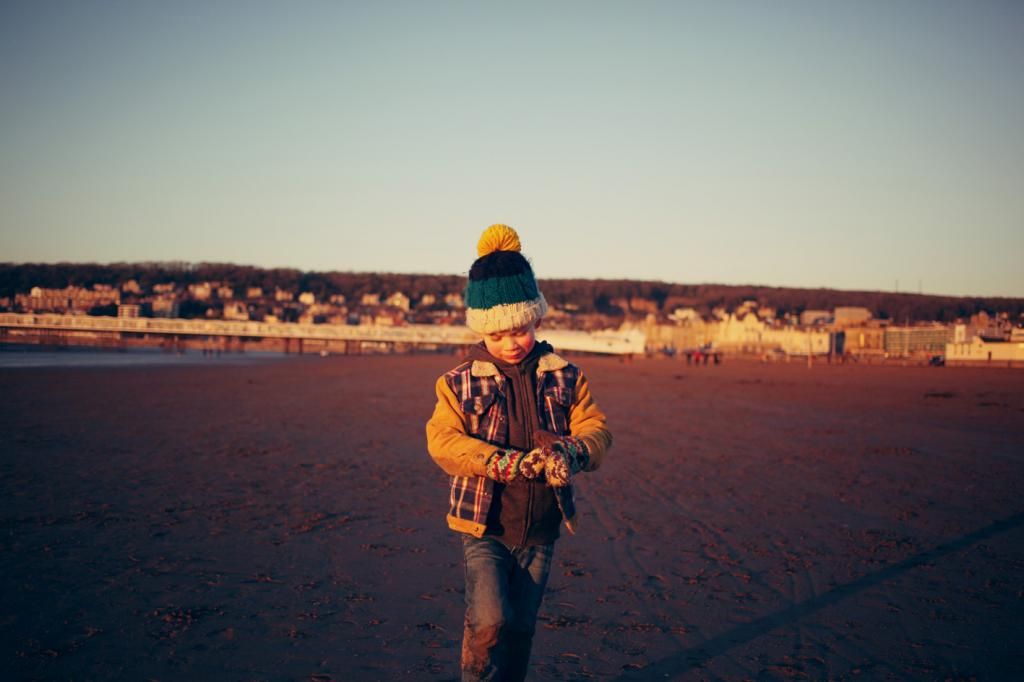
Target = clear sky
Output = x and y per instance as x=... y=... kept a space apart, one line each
x=853 y=145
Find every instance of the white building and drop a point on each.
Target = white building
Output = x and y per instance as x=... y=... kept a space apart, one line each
x=979 y=351
x=236 y=310
x=745 y=331
x=682 y=315
x=798 y=341
x=752 y=335
x=398 y=300
x=165 y=305
x=851 y=315
x=813 y=317
x=201 y=292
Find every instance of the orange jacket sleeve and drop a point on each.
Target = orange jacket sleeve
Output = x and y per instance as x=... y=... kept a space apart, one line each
x=455 y=451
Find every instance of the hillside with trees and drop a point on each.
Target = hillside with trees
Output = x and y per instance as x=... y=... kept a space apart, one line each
x=616 y=298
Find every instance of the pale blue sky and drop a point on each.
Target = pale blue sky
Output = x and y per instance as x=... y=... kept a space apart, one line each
x=845 y=145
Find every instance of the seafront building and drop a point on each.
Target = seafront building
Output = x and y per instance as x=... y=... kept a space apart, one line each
x=69 y=299
x=907 y=341
x=979 y=350
x=845 y=332
x=855 y=337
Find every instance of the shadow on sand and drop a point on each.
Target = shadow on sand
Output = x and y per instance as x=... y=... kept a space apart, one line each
x=716 y=646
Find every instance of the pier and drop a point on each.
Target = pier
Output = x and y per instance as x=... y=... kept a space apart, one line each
x=226 y=335
x=236 y=336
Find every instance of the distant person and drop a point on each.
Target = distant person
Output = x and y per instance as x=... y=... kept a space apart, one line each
x=512 y=425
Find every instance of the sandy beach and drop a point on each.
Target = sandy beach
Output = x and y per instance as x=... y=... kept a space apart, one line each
x=282 y=521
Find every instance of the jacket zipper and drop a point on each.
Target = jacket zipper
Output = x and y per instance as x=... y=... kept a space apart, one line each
x=527 y=518
x=536 y=415
x=528 y=521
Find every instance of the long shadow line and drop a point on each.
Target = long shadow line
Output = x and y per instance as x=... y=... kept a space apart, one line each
x=719 y=644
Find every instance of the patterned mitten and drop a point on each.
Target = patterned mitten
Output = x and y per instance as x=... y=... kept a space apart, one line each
x=532 y=464
x=504 y=466
x=557 y=469
x=567 y=456
x=575 y=452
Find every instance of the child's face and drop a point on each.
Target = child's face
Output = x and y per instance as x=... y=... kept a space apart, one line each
x=512 y=345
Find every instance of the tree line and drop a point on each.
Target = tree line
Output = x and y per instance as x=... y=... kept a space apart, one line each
x=616 y=297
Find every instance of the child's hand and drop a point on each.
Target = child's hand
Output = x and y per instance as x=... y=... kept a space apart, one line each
x=544 y=439
x=565 y=457
x=504 y=466
x=557 y=469
x=575 y=451
x=532 y=464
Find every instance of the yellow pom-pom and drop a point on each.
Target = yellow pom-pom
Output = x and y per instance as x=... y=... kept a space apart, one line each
x=498 y=238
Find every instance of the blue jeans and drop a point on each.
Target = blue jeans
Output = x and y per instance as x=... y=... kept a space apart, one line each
x=504 y=589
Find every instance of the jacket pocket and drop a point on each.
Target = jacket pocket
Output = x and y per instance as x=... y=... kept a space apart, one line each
x=557 y=406
x=479 y=413
x=478 y=404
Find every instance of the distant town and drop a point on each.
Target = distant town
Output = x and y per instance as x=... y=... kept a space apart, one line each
x=695 y=322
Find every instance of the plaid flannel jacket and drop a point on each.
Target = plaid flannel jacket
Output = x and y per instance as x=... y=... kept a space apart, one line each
x=479 y=388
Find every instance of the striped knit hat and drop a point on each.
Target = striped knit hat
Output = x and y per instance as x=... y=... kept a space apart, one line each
x=501 y=293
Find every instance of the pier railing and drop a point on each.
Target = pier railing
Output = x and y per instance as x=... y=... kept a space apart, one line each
x=610 y=341
x=412 y=333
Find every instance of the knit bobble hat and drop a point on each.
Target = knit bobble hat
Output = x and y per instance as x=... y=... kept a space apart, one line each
x=501 y=293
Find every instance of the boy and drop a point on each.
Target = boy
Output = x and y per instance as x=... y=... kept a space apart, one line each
x=512 y=424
